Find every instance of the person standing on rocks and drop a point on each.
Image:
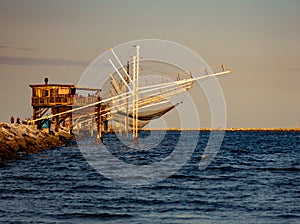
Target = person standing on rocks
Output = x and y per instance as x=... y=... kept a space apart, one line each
x=18 y=121
x=12 y=120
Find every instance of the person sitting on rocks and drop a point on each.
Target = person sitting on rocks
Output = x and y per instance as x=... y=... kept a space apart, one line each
x=12 y=120
x=18 y=120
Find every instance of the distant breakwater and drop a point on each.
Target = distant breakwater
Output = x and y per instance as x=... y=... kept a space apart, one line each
x=18 y=139
x=223 y=129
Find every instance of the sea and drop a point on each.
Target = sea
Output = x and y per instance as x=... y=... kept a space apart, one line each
x=253 y=178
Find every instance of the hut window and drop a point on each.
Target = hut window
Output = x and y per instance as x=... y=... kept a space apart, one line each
x=38 y=92
x=62 y=91
x=53 y=92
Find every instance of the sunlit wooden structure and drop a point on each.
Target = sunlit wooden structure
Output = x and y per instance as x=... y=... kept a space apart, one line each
x=125 y=101
x=61 y=99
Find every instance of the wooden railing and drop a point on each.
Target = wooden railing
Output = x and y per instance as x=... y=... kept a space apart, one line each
x=51 y=101
x=62 y=100
x=81 y=101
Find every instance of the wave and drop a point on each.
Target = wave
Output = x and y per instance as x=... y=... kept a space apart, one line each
x=292 y=169
x=91 y=215
x=237 y=168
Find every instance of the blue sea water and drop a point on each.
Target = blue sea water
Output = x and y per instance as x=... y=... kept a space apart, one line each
x=255 y=178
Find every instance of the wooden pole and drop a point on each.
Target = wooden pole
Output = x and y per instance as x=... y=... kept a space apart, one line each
x=56 y=121
x=92 y=128
x=71 y=124
x=133 y=99
x=126 y=105
x=98 y=120
x=137 y=91
x=34 y=117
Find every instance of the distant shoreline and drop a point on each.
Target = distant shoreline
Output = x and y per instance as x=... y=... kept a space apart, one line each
x=221 y=129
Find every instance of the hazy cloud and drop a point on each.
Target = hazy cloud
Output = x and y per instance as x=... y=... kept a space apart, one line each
x=295 y=69
x=26 y=49
x=29 y=61
x=4 y=46
x=8 y=45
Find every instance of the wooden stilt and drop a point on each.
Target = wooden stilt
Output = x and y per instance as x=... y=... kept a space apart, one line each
x=56 y=122
x=98 y=121
x=133 y=98
x=137 y=92
x=71 y=124
x=126 y=104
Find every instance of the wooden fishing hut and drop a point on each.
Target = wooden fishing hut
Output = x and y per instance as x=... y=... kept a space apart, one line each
x=61 y=100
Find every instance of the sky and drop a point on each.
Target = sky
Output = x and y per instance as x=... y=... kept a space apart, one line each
x=258 y=39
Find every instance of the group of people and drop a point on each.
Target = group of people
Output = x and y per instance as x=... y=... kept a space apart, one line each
x=18 y=120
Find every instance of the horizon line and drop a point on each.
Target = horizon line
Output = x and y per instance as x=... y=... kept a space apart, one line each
x=222 y=129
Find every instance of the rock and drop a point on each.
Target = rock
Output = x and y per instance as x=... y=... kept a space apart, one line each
x=17 y=139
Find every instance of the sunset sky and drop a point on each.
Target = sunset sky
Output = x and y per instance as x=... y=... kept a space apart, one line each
x=258 y=39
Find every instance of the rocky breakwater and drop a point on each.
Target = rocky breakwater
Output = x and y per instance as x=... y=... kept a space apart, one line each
x=18 y=139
